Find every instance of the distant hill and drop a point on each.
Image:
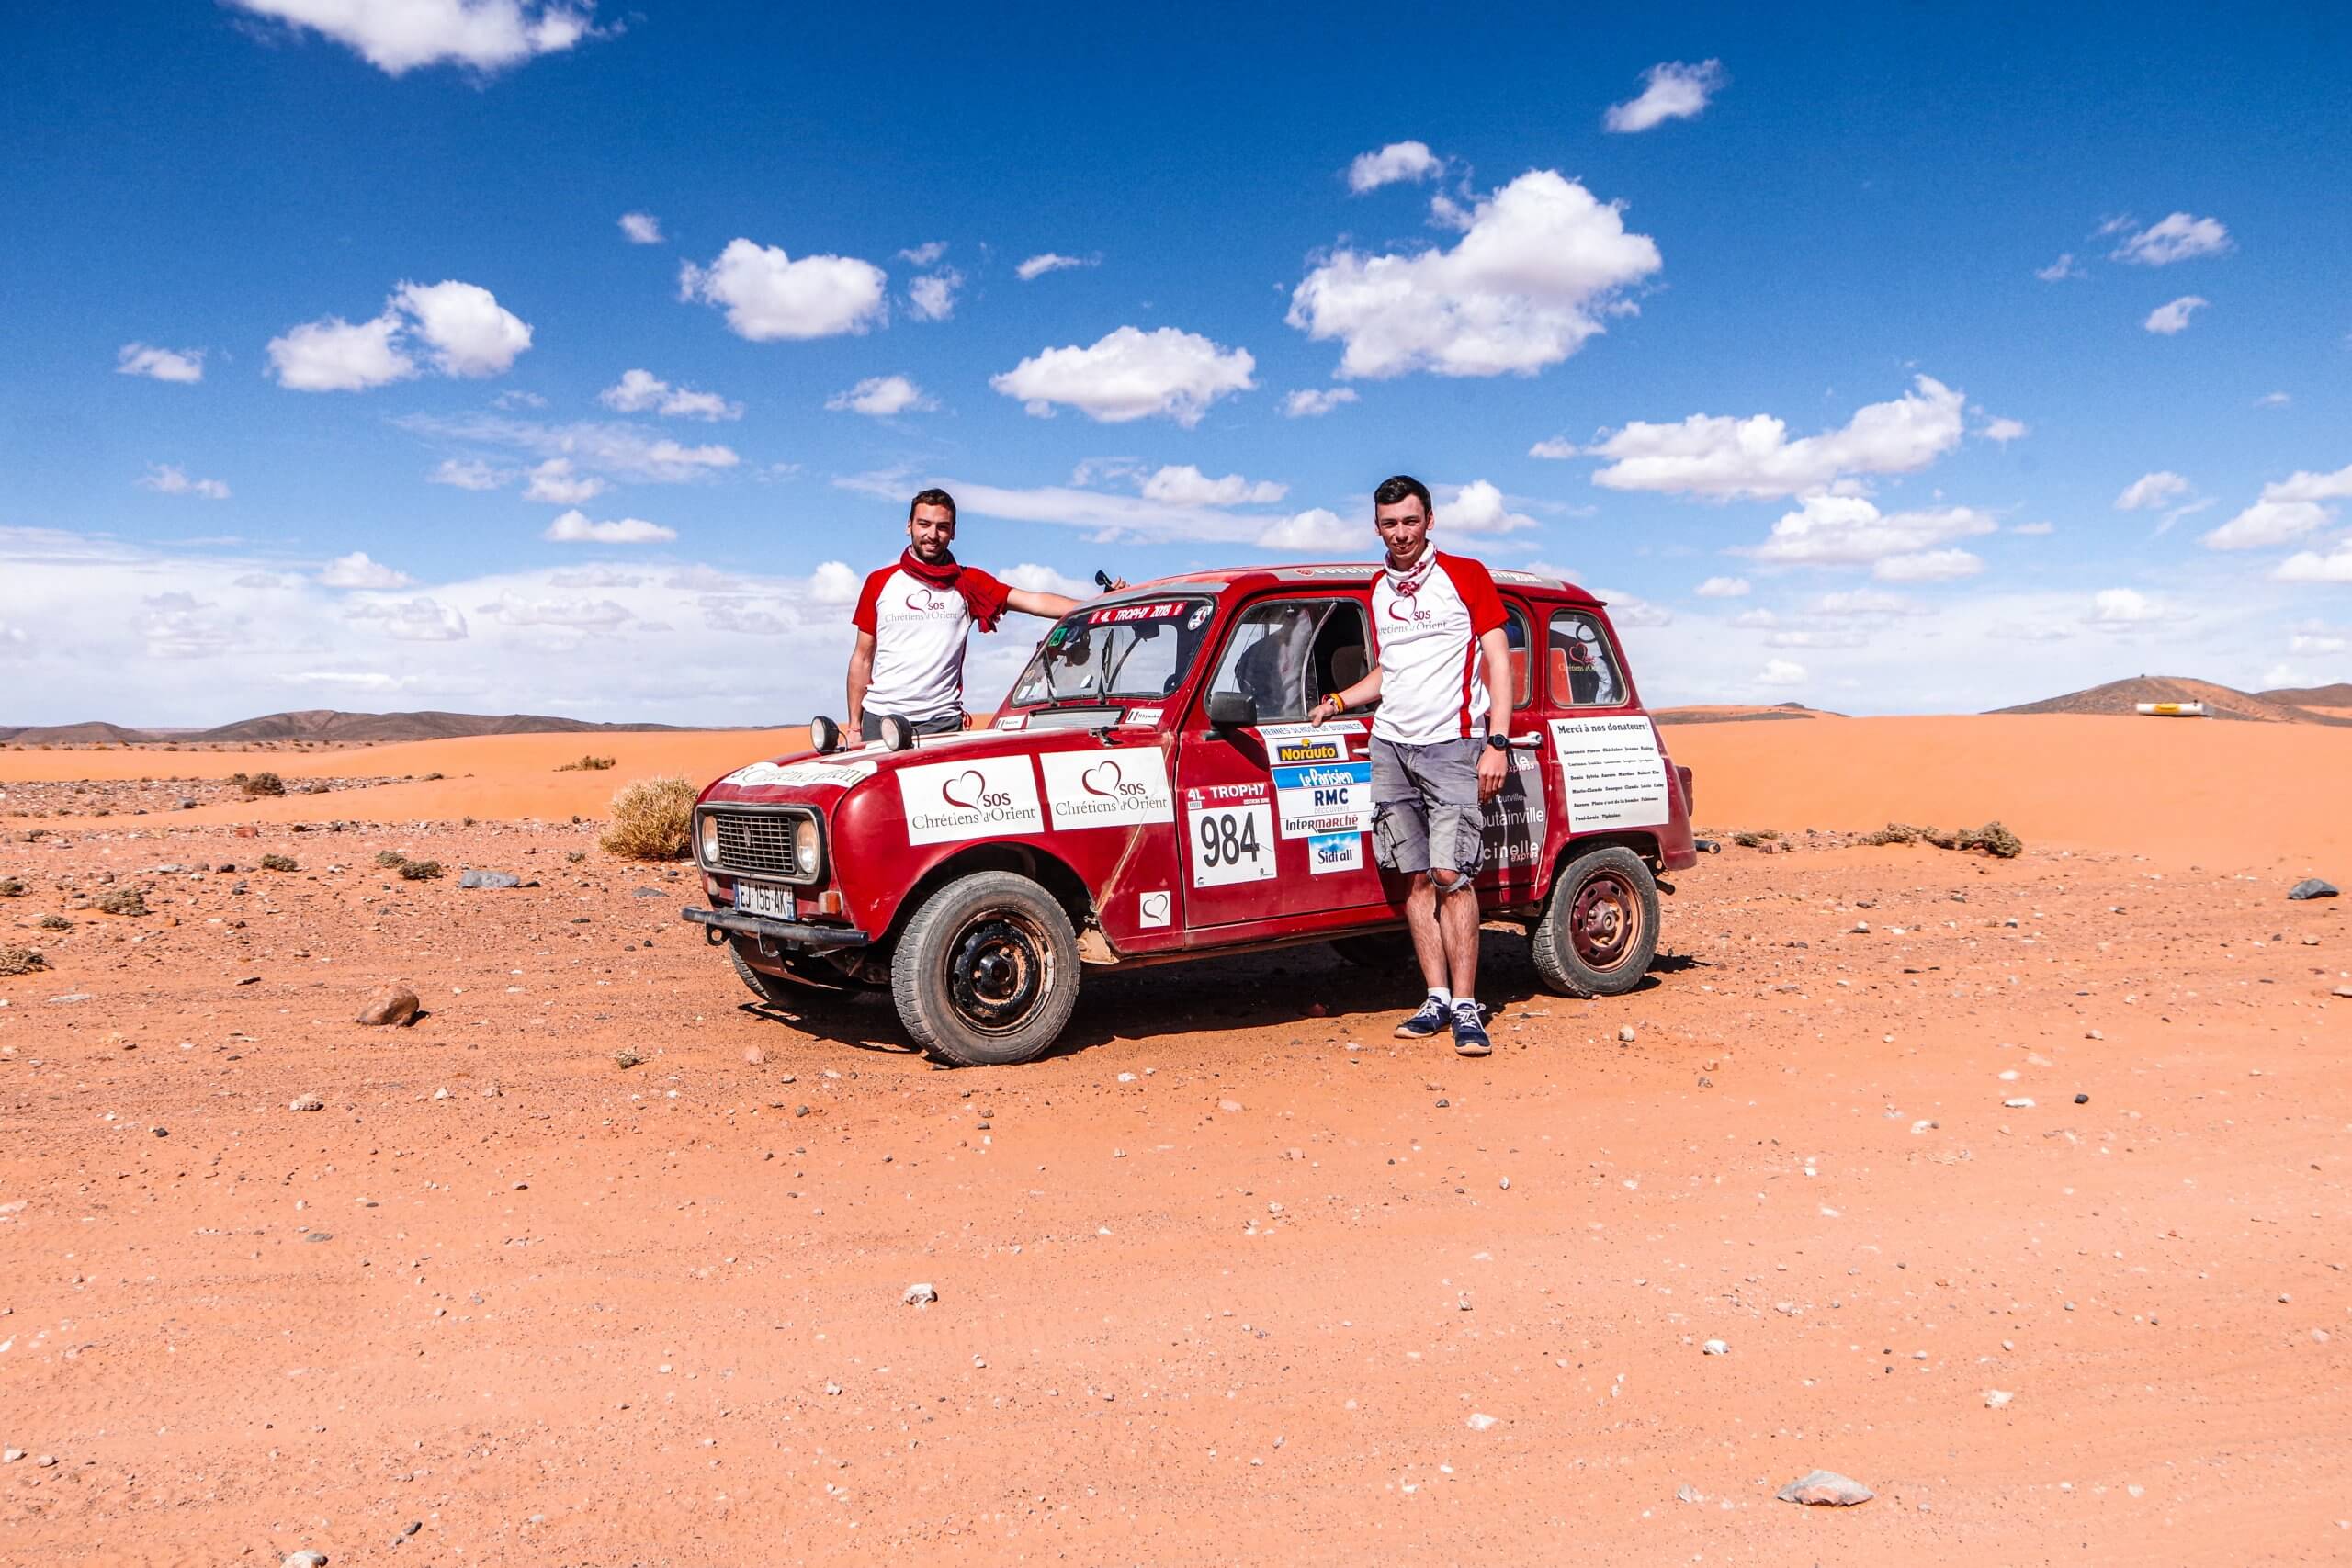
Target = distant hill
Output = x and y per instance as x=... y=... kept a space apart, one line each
x=2220 y=702
x=321 y=725
x=2336 y=696
x=1725 y=713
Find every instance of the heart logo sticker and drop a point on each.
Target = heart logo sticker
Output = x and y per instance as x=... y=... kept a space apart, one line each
x=964 y=789
x=923 y=601
x=1102 y=778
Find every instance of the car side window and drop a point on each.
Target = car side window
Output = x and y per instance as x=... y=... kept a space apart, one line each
x=1288 y=654
x=1523 y=678
x=1582 y=665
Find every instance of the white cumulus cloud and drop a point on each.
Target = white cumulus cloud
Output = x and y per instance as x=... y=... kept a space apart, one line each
x=1717 y=455
x=1847 y=530
x=769 y=297
x=834 y=584
x=2060 y=270
x=1398 y=161
x=1321 y=530
x=332 y=355
x=2311 y=566
x=1313 y=402
x=642 y=228
x=639 y=391
x=1044 y=261
x=932 y=298
x=1187 y=486
x=469 y=333
x=556 y=482
x=412 y=620
x=574 y=527
x=185 y=365
x=1928 y=566
x=465 y=331
x=1129 y=374
x=469 y=473
x=2286 y=510
x=1781 y=672
x=1723 y=588
x=166 y=478
x=2175 y=239
x=1477 y=507
x=2150 y=491
x=1539 y=263
x=2113 y=608
x=400 y=36
x=2003 y=431
x=1670 y=90
x=880 y=397
x=2169 y=319
x=356 y=570
x=622 y=450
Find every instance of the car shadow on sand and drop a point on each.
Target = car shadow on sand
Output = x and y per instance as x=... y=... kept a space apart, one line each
x=1321 y=996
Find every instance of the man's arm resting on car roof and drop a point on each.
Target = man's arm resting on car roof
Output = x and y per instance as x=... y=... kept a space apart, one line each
x=1053 y=606
x=860 y=676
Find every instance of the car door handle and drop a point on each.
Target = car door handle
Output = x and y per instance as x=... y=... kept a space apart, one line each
x=1525 y=742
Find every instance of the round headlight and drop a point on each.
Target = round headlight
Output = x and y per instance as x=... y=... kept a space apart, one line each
x=709 y=832
x=824 y=735
x=805 y=844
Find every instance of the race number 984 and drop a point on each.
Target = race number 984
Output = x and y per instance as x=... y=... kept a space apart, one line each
x=1232 y=843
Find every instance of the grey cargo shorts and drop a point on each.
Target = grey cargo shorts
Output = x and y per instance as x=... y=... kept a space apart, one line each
x=1425 y=810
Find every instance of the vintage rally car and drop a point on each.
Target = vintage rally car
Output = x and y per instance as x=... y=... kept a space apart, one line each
x=1151 y=790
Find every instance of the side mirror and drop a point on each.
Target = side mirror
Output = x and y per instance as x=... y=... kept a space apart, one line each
x=1232 y=710
x=824 y=734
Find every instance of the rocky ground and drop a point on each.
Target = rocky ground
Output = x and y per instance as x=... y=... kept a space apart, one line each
x=145 y=796
x=2014 y=1189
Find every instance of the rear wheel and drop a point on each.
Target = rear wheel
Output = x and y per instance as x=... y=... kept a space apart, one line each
x=986 y=972
x=1600 y=930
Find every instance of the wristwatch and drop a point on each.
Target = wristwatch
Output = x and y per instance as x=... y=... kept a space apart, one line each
x=1498 y=742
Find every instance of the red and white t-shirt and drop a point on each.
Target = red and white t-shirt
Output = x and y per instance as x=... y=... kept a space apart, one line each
x=1427 y=623
x=920 y=629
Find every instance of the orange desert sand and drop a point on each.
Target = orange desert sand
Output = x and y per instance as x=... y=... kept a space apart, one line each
x=1234 y=1277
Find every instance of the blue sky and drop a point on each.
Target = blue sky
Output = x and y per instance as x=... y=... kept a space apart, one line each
x=379 y=245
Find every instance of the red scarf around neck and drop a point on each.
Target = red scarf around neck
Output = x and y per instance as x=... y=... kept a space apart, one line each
x=984 y=594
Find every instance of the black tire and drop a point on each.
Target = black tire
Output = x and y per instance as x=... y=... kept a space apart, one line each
x=1388 y=952
x=1600 y=930
x=781 y=990
x=986 y=971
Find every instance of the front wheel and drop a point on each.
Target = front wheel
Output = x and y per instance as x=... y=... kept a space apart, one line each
x=1600 y=930
x=986 y=972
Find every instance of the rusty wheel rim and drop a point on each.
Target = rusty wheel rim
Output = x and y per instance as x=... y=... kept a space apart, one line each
x=1605 y=920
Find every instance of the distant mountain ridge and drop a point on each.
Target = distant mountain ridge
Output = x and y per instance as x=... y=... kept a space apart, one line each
x=2220 y=702
x=2336 y=696
x=319 y=724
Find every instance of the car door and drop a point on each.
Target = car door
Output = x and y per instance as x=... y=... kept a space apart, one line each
x=1275 y=818
x=1517 y=816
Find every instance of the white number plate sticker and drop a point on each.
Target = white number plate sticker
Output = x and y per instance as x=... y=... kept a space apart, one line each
x=1231 y=843
x=758 y=898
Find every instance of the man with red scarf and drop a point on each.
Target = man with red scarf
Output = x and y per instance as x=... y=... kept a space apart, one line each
x=913 y=619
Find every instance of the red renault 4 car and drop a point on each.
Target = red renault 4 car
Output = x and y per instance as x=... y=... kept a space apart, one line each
x=1150 y=791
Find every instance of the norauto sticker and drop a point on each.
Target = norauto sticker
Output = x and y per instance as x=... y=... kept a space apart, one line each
x=1107 y=789
x=984 y=798
x=1323 y=798
x=1309 y=748
x=1140 y=718
x=1012 y=721
x=839 y=776
x=1328 y=852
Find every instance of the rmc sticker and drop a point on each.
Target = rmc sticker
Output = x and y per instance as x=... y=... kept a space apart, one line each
x=1324 y=798
x=984 y=798
x=1108 y=789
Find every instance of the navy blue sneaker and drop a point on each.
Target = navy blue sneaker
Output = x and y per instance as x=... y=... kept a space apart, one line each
x=1431 y=1019
x=1469 y=1031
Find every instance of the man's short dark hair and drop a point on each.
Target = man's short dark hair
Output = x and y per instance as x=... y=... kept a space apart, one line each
x=1396 y=487
x=934 y=497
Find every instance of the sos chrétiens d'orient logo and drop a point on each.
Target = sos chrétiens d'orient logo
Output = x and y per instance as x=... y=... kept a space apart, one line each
x=932 y=603
x=972 y=801
x=1397 y=611
x=1109 y=790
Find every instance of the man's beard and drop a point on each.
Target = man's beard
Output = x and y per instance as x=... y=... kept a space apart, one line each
x=931 y=551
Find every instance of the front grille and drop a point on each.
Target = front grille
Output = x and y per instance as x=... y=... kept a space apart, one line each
x=757 y=843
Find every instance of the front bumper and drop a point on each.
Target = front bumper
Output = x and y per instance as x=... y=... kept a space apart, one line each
x=718 y=924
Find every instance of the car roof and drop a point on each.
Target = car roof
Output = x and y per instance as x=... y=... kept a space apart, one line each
x=1220 y=579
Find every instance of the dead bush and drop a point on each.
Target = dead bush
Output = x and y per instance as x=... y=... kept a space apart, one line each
x=279 y=862
x=651 y=819
x=390 y=860
x=258 y=783
x=21 y=961
x=12 y=887
x=125 y=900
x=54 y=923
x=420 y=870
x=1992 y=838
x=588 y=765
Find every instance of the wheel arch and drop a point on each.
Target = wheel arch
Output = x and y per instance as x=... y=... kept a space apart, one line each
x=1049 y=872
x=1643 y=844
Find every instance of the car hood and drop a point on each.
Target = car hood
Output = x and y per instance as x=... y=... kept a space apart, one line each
x=822 y=779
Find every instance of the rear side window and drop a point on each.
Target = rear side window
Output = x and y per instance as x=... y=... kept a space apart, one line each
x=1523 y=678
x=1581 y=665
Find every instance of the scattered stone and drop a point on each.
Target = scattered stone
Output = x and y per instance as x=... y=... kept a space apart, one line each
x=306 y=1102
x=1825 y=1488
x=1228 y=1106
x=11 y=1456
x=753 y=1057
x=2082 y=1100
x=1626 y=1034
x=1996 y=1397
x=2311 y=887
x=46 y=1461
x=2023 y=1102
x=920 y=1296
x=489 y=879
x=1479 y=1422
x=1686 y=1492
x=304 y=1559
x=394 y=1005
x=1715 y=1347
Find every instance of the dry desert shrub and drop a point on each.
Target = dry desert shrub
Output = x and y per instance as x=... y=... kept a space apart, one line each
x=12 y=887
x=258 y=783
x=1992 y=838
x=279 y=862
x=54 y=923
x=21 y=961
x=651 y=819
x=390 y=860
x=420 y=870
x=122 y=901
x=588 y=765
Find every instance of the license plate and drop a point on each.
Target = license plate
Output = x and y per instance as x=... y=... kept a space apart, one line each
x=757 y=899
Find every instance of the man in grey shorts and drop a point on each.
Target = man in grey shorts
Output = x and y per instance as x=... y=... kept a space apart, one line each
x=1439 y=623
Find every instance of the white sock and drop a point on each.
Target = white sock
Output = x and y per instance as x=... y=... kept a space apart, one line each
x=1469 y=1002
x=1441 y=996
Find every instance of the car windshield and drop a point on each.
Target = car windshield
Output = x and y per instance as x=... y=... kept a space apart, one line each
x=1140 y=650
